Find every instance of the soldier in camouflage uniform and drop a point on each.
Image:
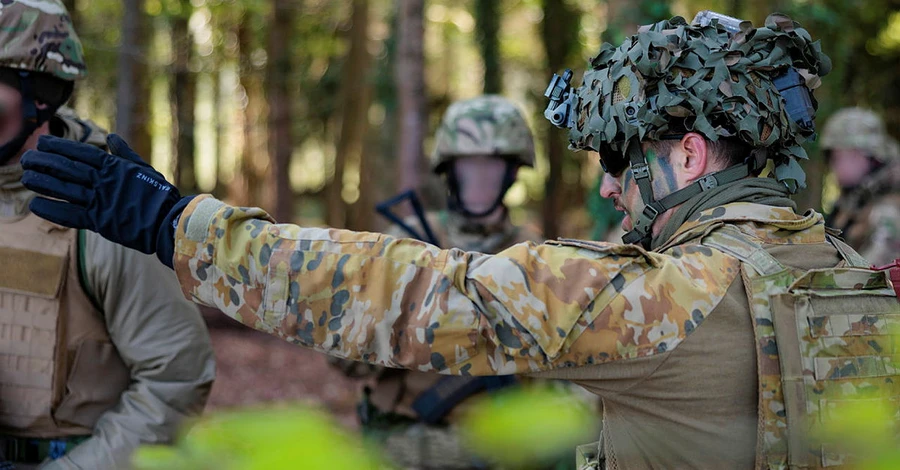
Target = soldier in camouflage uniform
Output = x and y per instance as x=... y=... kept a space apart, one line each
x=99 y=352
x=866 y=162
x=479 y=148
x=722 y=337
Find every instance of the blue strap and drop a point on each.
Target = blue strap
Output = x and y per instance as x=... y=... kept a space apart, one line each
x=434 y=404
x=384 y=208
x=57 y=449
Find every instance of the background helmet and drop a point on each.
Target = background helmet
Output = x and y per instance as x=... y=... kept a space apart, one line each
x=41 y=57
x=674 y=77
x=487 y=125
x=37 y=36
x=858 y=128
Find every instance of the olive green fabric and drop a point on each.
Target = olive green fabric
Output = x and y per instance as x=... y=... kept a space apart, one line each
x=756 y=190
x=704 y=79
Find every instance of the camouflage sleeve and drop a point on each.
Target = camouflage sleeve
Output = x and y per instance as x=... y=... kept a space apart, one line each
x=883 y=245
x=403 y=303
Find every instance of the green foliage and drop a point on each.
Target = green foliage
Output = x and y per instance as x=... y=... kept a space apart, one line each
x=525 y=426
x=264 y=439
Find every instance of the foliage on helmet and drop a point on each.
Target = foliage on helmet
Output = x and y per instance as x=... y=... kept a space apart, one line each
x=858 y=128
x=37 y=35
x=487 y=125
x=701 y=79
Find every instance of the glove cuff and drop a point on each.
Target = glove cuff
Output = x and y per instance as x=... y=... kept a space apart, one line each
x=165 y=237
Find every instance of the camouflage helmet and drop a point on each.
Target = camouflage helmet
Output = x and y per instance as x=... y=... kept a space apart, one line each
x=487 y=125
x=862 y=129
x=709 y=80
x=37 y=36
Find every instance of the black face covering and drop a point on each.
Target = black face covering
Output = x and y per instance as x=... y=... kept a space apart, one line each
x=33 y=87
x=454 y=198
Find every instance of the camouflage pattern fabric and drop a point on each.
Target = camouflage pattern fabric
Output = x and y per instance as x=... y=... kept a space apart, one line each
x=392 y=392
x=869 y=215
x=38 y=36
x=714 y=83
x=487 y=125
x=564 y=306
x=406 y=304
x=817 y=349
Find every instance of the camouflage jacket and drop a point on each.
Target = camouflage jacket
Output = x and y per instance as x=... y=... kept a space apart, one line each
x=395 y=390
x=665 y=338
x=869 y=216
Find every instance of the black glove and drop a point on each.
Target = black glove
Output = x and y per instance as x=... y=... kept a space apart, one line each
x=117 y=195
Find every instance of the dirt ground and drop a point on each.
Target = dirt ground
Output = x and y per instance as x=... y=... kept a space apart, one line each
x=256 y=368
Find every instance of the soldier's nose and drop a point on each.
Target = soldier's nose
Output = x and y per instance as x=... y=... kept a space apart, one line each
x=609 y=187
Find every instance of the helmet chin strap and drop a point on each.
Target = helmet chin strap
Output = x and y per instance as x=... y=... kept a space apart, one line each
x=32 y=118
x=642 y=232
x=454 y=198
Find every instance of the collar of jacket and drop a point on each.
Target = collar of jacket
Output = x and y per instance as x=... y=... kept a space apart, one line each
x=758 y=220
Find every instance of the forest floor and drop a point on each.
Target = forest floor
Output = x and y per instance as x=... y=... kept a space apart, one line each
x=254 y=368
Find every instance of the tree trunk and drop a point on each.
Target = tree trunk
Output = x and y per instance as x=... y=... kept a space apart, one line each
x=246 y=184
x=410 y=82
x=72 y=8
x=133 y=84
x=559 y=34
x=182 y=96
x=354 y=106
x=278 y=78
x=487 y=31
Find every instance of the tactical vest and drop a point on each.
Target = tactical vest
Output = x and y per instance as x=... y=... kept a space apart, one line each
x=823 y=341
x=59 y=370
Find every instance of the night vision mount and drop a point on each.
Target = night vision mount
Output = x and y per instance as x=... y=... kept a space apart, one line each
x=562 y=96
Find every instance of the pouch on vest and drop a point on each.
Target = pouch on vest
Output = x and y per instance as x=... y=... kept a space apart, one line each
x=59 y=371
x=825 y=338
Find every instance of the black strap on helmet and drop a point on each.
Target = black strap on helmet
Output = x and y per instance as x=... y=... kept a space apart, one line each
x=32 y=117
x=454 y=199
x=642 y=232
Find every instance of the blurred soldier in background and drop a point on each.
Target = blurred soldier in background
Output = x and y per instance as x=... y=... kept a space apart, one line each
x=479 y=148
x=99 y=351
x=866 y=162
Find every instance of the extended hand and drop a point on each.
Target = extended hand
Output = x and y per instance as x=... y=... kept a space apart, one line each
x=117 y=195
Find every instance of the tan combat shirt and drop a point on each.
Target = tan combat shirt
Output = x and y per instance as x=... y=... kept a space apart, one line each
x=159 y=335
x=664 y=338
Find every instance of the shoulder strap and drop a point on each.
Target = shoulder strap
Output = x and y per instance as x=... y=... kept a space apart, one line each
x=847 y=253
x=434 y=404
x=732 y=241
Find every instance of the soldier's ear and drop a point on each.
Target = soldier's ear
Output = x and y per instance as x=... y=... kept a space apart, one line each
x=696 y=156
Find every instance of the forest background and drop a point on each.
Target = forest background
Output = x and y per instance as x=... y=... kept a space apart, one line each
x=318 y=109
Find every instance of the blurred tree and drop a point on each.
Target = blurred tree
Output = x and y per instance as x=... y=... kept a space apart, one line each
x=626 y=15
x=411 y=92
x=72 y=7
x=278 y=88
x=354 y=101
x=559 y=34
x=133 y=79
x=182 y=92
x=487 y=30
x=248 y=181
